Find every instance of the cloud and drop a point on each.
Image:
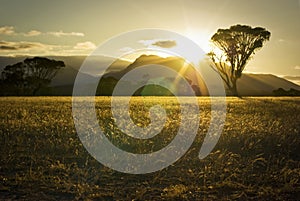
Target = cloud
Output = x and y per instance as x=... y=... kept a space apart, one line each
x=10 y=30
x=7 y=30
x=147 y=42
x=33 y=33
x=165 y=44
x=8 y=48
x=297 y=67
x=127 y=49
x=159 y=42
x=23 y=45
x=294 y=79
x=88 y=45
x=36 y=48
x=61 y=33
x=291 y=77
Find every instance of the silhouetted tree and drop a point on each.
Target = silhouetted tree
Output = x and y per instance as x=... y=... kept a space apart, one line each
x=27 y=77
x=238 y=44
x=282 y=92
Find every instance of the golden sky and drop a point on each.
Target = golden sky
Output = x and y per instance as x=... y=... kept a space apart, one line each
x=75 y=27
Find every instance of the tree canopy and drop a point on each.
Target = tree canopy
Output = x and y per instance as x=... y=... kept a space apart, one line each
x=237 y=44
x=28 y=76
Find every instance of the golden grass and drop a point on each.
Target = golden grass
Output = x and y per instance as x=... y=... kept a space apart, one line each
x=256 y=158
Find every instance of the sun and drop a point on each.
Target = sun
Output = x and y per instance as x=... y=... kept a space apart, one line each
x=200 y=37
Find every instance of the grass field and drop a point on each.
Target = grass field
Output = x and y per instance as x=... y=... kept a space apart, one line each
x=256 y=158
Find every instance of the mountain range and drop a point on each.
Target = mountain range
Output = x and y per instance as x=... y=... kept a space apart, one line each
x=62 y=83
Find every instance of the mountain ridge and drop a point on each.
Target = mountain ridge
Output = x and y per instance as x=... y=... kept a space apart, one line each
x=250 y=84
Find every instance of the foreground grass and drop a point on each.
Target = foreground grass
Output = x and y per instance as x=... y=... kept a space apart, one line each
x=256 y=158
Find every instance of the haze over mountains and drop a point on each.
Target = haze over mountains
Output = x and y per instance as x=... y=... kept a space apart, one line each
x=62 y=84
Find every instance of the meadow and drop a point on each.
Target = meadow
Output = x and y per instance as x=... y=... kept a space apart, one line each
x=256 y=158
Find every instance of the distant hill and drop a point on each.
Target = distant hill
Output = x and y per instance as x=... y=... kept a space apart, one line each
x=67 y=75
x=62 y=84
x=248 y=84
x=175 y=63
x=263 y=84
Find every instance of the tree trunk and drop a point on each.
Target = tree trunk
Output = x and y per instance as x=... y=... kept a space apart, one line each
x=233 y=89
x=35 y=90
